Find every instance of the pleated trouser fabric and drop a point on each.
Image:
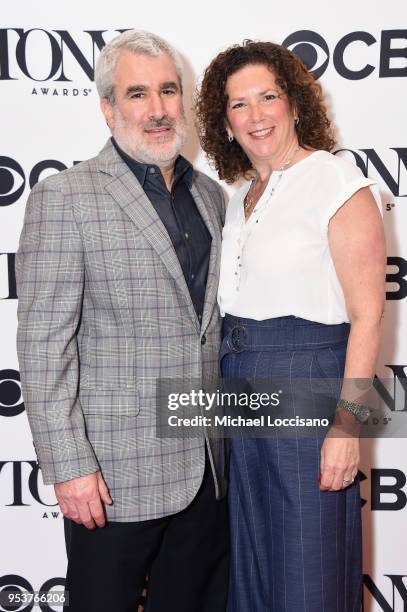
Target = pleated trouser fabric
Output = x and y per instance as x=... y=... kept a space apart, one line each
x=293 y=547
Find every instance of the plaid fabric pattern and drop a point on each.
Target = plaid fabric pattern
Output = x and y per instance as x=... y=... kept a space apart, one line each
x=103 y=312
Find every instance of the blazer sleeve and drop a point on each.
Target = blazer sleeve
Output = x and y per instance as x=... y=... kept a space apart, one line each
x=50 y=282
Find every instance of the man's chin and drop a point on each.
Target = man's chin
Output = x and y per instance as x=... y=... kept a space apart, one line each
x=164 y=152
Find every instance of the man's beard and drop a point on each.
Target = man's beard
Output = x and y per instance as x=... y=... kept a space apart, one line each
x=144 y=153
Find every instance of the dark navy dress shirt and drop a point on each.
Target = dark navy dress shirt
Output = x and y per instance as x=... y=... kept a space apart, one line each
x=181 y=218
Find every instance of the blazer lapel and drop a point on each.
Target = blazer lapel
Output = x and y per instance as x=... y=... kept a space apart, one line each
x=127 y=192
x=205 y=208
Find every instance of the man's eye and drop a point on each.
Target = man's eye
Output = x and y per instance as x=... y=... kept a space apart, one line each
x=168 y=92
x=137 y=95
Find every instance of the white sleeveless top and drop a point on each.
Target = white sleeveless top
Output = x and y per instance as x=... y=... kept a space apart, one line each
x=279 y=262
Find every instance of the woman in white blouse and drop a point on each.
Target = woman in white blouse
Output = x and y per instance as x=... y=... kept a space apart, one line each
x=302 y=293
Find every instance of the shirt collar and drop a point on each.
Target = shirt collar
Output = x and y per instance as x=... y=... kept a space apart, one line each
x=183 y=168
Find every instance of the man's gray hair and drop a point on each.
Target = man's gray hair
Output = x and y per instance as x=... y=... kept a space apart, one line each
x=137 y=42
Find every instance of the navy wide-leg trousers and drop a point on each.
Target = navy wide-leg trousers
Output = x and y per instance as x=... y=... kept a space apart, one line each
x=293 y=547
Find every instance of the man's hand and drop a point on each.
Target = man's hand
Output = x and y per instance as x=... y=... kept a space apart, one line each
x=80 y=499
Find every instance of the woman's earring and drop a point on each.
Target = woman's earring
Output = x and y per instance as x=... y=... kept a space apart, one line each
x=230 y=137
x=296 y=120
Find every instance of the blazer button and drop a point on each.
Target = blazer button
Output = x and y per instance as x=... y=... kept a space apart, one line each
x=203 y=339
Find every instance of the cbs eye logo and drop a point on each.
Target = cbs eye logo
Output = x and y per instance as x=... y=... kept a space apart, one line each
x=12 y=181
x=11 y=399
x=13 y=178
x=311 y=48
x=348 y=53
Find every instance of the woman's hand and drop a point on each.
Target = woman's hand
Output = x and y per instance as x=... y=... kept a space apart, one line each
x=339 y=460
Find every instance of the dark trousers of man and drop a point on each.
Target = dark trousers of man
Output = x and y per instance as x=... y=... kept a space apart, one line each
x=185 y=556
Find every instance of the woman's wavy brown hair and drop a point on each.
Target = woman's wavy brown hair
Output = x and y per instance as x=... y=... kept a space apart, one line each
x=292 y=76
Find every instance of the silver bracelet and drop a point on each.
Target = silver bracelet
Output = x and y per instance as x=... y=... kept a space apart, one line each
x=359 y=411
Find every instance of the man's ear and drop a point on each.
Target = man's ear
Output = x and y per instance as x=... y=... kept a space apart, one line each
x=107 y=111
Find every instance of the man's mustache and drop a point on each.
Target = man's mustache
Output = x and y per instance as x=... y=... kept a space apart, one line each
x=157 y=123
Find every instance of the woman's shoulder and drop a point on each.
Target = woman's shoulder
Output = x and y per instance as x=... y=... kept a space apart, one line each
x=330 y=166
x=336 y=179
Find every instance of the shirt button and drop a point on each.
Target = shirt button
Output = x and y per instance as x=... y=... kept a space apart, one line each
x=199 y=316
x=203 y=340
x=151 y=170
x=186 y=235
x=192 y=276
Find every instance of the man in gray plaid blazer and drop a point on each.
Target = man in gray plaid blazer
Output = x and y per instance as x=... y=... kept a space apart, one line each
x=117 y=274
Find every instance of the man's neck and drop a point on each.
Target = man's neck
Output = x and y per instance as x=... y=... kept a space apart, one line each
x=168 y=173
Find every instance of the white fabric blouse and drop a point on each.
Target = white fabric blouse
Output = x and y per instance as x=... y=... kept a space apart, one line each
x=278 y=263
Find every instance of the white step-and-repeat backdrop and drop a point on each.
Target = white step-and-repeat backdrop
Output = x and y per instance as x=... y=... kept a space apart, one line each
x=50 y=120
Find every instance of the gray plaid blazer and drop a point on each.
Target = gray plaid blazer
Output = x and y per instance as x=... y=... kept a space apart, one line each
x=103 y=312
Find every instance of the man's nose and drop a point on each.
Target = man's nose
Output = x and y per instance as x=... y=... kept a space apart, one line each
x=157 y=107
